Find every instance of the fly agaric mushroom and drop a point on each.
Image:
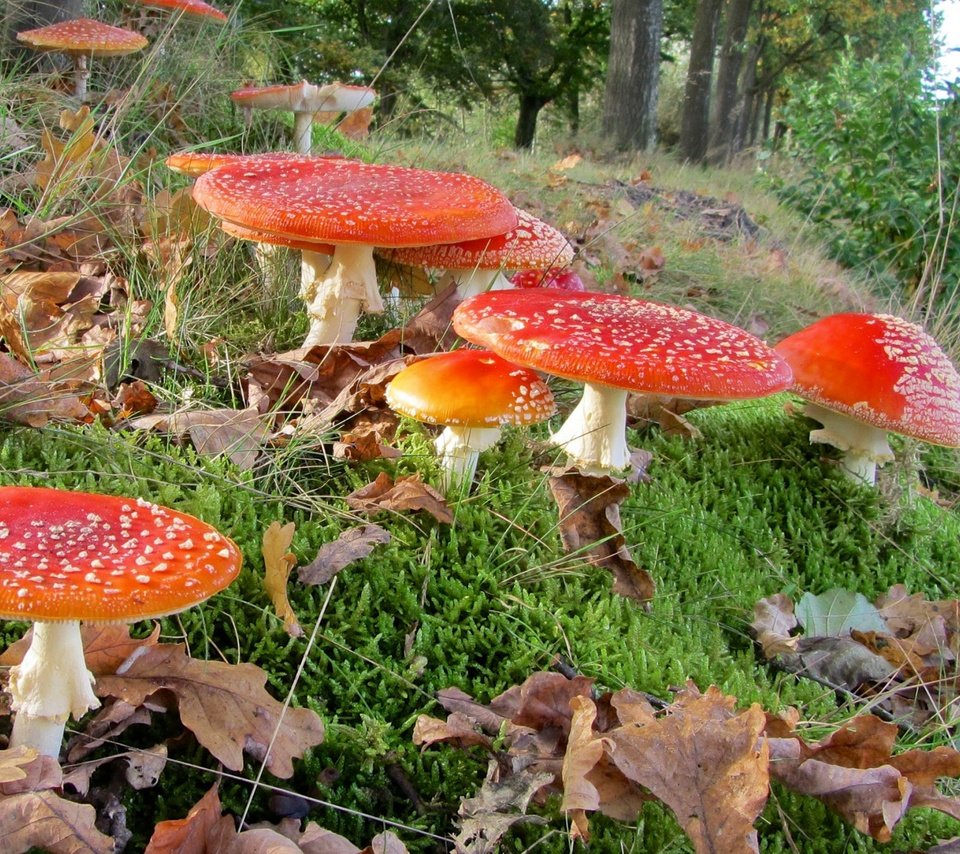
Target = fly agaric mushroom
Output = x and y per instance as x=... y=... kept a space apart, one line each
x=615 y=344
x=72 y=556
x=193 y=8
x=354 y=206
x=472 y=393
x=82 y=39
x=864 y=375
x=477 y=265
x=303 y=100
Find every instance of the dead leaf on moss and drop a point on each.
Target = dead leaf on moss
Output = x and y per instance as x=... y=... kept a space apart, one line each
x=590 y=526
x=47 y=821
x=352 y=545
x=408 y=494
x=238 y=434
x=203 y=829
x=224 y=705
x=278 y=561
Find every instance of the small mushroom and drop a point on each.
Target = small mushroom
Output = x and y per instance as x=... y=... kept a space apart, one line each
x=192 y=8
x=472 y=393
x=865 y=375
x=477 y=265
x=81 y=39
x=303 y=100
x=72 y=556
x=353 y=206
x=614 y=345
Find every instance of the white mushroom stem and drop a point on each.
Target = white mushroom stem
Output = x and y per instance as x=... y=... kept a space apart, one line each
x=303 y=131
x=594 y=435
x=864 y=446
x=474 y=281
x=459 y=449
x=335 y=296
x=50 y=684
x=81 y=73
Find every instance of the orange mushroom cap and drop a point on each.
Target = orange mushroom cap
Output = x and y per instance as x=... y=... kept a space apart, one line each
x=878 y=369
x=83 y=36
x=194 y=163
x=81 y=556
x=255 y=236
x=305 y=97
x=195 y=8
x=470 y=388
x=623 y=342
x=532 y=245
x=337 y=200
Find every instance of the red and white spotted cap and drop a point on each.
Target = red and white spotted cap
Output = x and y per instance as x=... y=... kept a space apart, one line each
x=81 y=556
x=84 y=36
x=336 y=200
x=532 y=245
x=623 y=342
x=880 y=370
x=194 y=8
x=564 y=278
x=470 y=388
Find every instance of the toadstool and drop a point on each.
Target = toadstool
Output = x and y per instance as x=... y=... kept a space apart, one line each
x=354 y=206
x=615 y=344
x=72 y=556
x=303 y=100
x=82 y=39
x=864 y=375
x=477 y=265
x=193 y=8
x=472 y=393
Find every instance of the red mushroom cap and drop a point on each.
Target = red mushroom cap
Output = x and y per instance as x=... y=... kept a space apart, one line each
x=195 y=8
x=532 y=245
x=623 y=342
x=878 y=369
x=470 y=388
x=304 y=97
x=84 y=36
x=337 y=200
x=195 y=163
x=80 y=556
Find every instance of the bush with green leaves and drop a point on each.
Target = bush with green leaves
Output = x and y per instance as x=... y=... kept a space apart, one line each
x=879 y=164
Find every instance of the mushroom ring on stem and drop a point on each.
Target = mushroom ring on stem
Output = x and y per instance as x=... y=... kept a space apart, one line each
x=472 y=393
x=353 y=206
x=72 y=556
x=865 y=375
x=614 y=345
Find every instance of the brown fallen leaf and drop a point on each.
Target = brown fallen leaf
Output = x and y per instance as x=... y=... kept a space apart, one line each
x=409 y=493
x=225 y=706
x=589 y=508
x=278 y=561
x=352 y=545
x=45 y=820
x=26 y=398
x=204 y=829
x=704 y=761
x=14 y=777
x=385 y=843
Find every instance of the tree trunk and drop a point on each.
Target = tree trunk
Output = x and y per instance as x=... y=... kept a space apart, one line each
x=20 y=15
x=633 y=72
x=728 y=106
x=743 y=134
x=530 y=107
x=694 y=118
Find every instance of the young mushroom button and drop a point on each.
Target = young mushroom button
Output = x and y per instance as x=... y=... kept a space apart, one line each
x=472 y=393
x=72 y=556
x=865 y=375
x=616 y=344
x=353 y=206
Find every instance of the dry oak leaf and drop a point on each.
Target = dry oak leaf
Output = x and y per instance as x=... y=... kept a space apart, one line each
x=584 y=752
x=458 y=729
x=46 y=821
x=352 y=545
x=278 y=560
x=28 y=398
x=406 y=494
x=589 y=508
x=704 y=761
x=854 y=772
x=225 y=706
x=203 y=831
x=22 y=769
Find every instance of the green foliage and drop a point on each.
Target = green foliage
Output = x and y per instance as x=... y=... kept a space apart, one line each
x=879 y=171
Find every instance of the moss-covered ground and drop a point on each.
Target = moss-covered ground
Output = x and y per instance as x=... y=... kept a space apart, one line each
x=748 y=509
